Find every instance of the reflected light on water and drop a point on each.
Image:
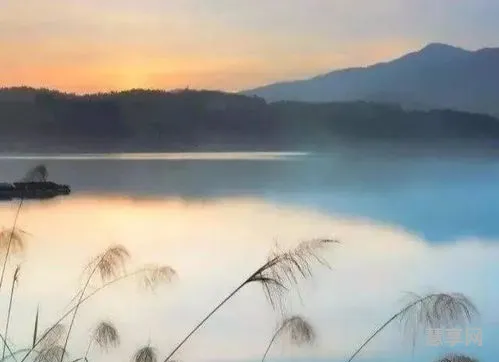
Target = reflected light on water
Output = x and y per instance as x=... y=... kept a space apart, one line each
x=214 y=246
x=260 y=156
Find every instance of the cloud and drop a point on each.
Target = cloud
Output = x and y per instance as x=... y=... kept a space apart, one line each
x=214 y=246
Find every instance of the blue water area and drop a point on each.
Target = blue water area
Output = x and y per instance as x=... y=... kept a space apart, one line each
x=439 y=198
x=438 y=213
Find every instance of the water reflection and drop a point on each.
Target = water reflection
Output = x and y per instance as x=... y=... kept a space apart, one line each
x=440 y=199
x=213 y=246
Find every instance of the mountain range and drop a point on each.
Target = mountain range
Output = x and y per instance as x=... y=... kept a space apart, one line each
x=439 y=76
x=440 y=95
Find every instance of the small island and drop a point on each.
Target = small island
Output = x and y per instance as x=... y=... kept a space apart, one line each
x=32 y=190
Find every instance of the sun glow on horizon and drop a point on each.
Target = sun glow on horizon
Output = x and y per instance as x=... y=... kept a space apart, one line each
x=95 y=46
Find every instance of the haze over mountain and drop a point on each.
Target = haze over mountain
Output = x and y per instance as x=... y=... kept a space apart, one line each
x=437 y=76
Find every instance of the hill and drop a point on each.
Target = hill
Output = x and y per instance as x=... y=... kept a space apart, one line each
x=438 y=76
x=142 y=120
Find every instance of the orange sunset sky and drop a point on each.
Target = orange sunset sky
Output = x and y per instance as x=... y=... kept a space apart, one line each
x=98 y=45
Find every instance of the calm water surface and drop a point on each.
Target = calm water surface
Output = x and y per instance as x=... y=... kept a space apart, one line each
x=405 y=223
x=439 y=199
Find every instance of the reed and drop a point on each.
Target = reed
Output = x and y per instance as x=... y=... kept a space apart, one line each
x=38 y=173
x=456 y=358
x=15 y=279
x=144 y=275
x=105 y=335
x=282 y=270
x=108 y=266
x=428 y=311
x=298 y=329
x=145 y=354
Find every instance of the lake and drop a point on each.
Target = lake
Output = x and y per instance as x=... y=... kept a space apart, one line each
x=439 y=199
x=405 y=223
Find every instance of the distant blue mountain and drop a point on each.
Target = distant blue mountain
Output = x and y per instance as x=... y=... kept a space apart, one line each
x=437 y=76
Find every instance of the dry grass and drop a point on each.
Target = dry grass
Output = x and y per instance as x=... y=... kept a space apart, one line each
x=284 y=269
x=106 y=336
x=154 y=275
x=13 y=239
x=281 y=271
x=145 y=354
x=456 y=358
x=52 y=336
x=110 y=264
x=300 y=330
x=429 y=311
x=297 y=328
x=436 y=310
x=50 y=354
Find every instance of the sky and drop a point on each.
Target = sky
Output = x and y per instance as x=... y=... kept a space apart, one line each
x=94 y=45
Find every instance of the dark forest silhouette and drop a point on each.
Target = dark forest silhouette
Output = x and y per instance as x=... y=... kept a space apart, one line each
x=149 y=120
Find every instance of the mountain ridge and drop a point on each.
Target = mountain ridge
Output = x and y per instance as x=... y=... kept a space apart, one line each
x=436 y=76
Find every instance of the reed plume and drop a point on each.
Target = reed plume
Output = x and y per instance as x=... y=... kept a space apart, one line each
x=456 y=358
x=108 y=265
x=11 y=240
x=141 y=273
x=154 y=275
x=429 y=311
x=51 y=354
x=52 y=336
x=149 y=277
x=282 y=270
x=50 y=344
x=38 y=173
x=298 y=329
x=105 y=335
x=145 y=354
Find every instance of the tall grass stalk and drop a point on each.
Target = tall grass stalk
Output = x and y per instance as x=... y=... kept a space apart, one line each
x=105 y=335
x=280 y=269
x=38 y=173
x=35 y=328
x=15 y=279
x=9 y=244
x=13 y=354
x=106 y=264
x=299 y=329
x=428 y=311
x=146 y=272
x=5 y=343
x=145 y=354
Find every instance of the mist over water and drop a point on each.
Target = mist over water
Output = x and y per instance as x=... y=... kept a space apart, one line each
x=411 y=224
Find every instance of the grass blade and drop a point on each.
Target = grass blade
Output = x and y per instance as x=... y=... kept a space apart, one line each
x=35 y=329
